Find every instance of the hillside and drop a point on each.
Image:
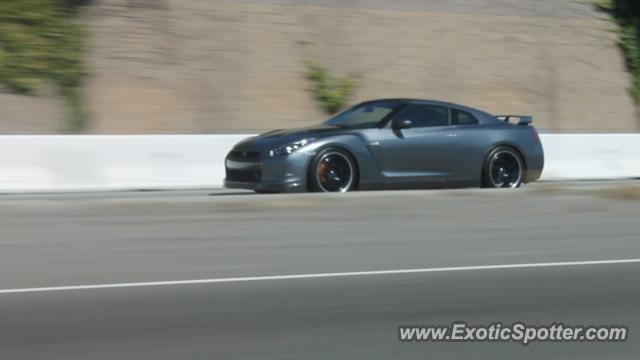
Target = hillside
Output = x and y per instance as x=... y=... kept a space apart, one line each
x=203 y=66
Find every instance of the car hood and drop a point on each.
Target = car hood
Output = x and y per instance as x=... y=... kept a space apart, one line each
x=300 y=132
x=283 y=136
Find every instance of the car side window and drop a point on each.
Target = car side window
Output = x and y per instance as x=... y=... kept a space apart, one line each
x=422 y=115
x=459 y=117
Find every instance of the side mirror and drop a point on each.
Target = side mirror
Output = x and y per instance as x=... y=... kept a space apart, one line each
x=401 y=124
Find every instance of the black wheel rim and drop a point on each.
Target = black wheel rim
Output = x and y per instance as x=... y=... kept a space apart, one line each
x=334 y=172
x=505 y=170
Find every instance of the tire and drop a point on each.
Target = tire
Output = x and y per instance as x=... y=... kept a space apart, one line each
x=503 y=168
x=332 y=170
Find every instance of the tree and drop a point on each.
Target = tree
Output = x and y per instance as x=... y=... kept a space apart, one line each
x=42 y=40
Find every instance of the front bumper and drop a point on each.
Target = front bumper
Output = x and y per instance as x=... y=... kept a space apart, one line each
x=264 y=173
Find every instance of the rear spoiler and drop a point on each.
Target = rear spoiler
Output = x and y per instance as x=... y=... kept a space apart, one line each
x=523 y=119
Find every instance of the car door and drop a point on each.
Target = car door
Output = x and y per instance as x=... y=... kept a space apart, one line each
x=472 y=144
x=424 y=152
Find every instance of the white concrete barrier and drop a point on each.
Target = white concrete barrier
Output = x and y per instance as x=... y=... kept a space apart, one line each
x=42 y=163
x=112 y=162
x=591 y=156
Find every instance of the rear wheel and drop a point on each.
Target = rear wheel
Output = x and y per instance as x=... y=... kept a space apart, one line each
x=332 y=170
x=503 y=168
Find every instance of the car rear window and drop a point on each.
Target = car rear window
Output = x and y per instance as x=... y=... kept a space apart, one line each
x=459 y=117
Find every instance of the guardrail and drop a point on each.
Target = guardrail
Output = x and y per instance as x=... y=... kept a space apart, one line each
x=43 y=163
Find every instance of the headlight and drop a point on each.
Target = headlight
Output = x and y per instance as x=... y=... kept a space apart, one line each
x=287 y=149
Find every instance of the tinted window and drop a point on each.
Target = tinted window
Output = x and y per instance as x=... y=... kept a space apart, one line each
x=459 y=117
x=364 y=115
x=425 y=115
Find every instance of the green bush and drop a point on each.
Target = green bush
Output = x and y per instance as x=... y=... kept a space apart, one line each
x=626 y=13
x=332 y=93
x=41 y=40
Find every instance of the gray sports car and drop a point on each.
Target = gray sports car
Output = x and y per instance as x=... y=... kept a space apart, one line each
x=391 y=143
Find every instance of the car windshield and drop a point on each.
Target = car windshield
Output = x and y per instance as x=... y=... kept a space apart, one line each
x=365 y=115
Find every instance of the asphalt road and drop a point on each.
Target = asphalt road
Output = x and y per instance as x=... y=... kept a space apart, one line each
x=113 y=238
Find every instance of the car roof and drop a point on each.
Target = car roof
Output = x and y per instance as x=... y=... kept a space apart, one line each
x=477 y=112
x=428 y=101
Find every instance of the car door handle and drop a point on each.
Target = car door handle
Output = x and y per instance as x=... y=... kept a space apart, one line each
x=452 y=135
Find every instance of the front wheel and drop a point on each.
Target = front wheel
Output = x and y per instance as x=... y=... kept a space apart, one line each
x=332 y=170
x=503 y=168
